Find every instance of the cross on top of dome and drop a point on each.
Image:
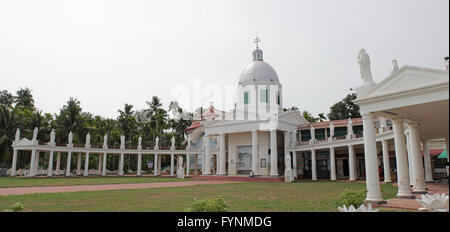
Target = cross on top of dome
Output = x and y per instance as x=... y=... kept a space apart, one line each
x=257 y=53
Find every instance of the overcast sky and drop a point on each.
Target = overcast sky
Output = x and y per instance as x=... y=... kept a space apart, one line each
x=107 y=53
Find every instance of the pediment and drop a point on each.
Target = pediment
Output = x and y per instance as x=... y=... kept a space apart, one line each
x=406 y=79
x=293 y=117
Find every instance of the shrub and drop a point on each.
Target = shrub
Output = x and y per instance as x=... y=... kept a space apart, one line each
x=17 y=207
x=353 y=197
x=208 y=205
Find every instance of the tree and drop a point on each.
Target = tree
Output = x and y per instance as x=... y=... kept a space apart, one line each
x=24 y=98
x=344 y=109
x=8 y=126
x=6 y=99
x=292 y=108
x=308 y=116
x=70 y=120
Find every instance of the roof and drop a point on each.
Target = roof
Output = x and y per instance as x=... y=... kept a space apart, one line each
x=258 y=72
x=336 y=123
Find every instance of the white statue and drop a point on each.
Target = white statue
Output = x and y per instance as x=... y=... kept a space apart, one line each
x=17 y=138
x=139 y=141
x=122 y=140
x=173 y=141
x=52 y=136
x=364 y=66
x=35 y=133
x=105 y=140
x=88 y=139
x=350 y=127
x=70 y=138
x=394 y=66
x=313 y=133
x=288 y=162
x=157 y=141
x=331 y=130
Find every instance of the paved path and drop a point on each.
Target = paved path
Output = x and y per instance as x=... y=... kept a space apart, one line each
x=412 y=203
x=78 y=188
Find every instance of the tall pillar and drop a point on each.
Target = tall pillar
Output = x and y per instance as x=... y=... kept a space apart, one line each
x=58 y=163
x=410 y=160
x=286 y=146
x=207 y=160
x=14 y=163
x=139 y=165
x=104 y=163
x=404 y=190
x=86 y=164
x=188 y=164
x=371 y=160
x=222 y=160
x=50 y=164
x=171 y=164
x=69 y=157
x=100 y=163
x=121 y=164
x=273 y=153
x=416 y=156
x=332 y=164
x=386 y=163
x=255 y=153
x=33 y=162
x=159 y=164
x=196 y=165
x=313 y=165
x=427 y=161
x=294 y=162
x=79 y=164
x=155 y=165
x=36 y=165
x=352 y=162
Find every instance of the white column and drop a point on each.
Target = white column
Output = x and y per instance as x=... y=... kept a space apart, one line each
x=313 y=165
x=416 y=156
x=273 y=153
x=139 y=165
x=207 y=160
x=332 y=164
x=36 y=165
x=50 y=164
x=410 y=160
x=255 y=153
x=33 y=162
x=171 y=164
x=155 y=165
x=104 y=164
x=121 y=164
x=386 y=163
x=79 y=164
x=14 y=163
x=188 y=165
x=352 y=162
x=371 y=160
x=58 y=163
x=427 y=161
x=196 y=165
x=294 y=162
x=222 y=161
x=286 y=145
x=69 y=157
x=86 y=164
x=100 y=163
x=404 y=190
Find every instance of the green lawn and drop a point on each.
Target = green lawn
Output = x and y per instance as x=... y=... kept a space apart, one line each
x=252 y=196
x=8 y=182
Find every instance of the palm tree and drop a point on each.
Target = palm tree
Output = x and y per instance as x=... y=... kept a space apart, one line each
x=70 y=120
x=8 y=126
x=24 y=98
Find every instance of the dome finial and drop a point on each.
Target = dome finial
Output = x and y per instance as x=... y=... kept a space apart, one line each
x=257 y=53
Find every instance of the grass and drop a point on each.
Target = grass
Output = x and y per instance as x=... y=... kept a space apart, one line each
x=247 y=197
x=9 y=182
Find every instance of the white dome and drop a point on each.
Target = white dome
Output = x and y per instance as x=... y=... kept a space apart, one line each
x=258 y=72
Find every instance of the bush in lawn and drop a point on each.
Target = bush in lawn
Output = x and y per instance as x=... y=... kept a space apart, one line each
x=16 y=207
x=353 y=197
x=208 y=205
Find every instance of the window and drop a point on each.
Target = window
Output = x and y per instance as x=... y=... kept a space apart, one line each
x=246 y=97
x=278 y=98
x=264 y=95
